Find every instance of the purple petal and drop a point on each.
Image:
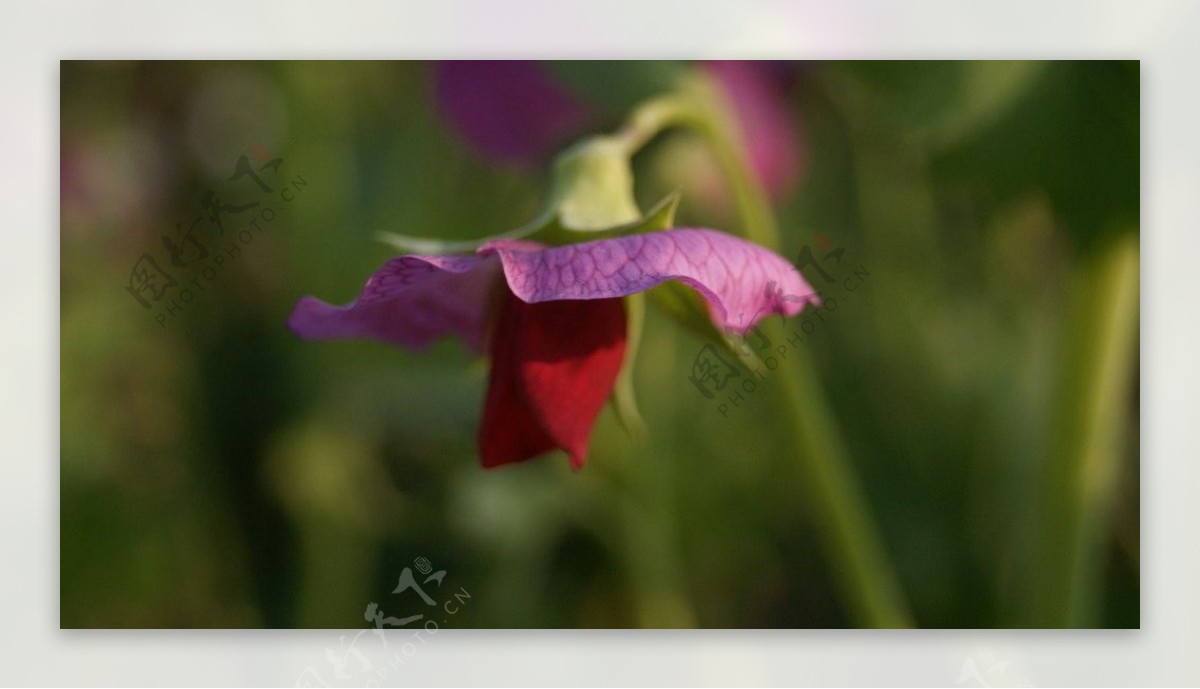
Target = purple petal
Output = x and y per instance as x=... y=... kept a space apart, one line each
x=772 y=136
x=508 y=110
x=412 y=301
x=742 y=282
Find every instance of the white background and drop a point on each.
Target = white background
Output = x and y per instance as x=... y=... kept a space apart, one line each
x=34 y=36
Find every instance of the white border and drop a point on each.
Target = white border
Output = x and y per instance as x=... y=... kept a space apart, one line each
x=34 y=36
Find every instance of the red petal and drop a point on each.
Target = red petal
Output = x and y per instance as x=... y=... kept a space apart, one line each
x=554 y=365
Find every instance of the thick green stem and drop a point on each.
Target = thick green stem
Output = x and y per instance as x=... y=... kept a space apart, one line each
x=859 y=563
x=1088 y=430
x=700 y=106
x=857 y=557
x=754 y=205
x=652 y=117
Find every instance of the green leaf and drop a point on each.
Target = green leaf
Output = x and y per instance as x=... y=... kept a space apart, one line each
x=1073 y=135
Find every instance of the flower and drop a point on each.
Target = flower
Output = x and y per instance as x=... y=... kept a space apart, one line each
x=552 y=319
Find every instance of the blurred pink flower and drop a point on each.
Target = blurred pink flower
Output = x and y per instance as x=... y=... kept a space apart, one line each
x=772 y=135
x=516 y=112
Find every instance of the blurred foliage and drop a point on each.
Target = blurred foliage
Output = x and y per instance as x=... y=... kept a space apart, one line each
x=616 y=86
x=219 y=472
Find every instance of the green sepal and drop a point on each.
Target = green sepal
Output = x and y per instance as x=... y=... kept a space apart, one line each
x=689 y=309
x=661 y=216
x=547 y=229
x=593 y=186
x=623 y=399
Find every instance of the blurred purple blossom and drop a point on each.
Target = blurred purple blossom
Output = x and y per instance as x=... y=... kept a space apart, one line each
x=772 y=134
x=510 y=111
x=516 y=112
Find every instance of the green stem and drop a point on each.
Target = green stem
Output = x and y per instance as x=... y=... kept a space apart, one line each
x=860 y=565
x=652 y=117
x=697 y=104
x=858 y=560
x=1098 y=364
x=753 y=203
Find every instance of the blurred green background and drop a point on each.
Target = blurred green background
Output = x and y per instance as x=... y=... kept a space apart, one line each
x=219 y=472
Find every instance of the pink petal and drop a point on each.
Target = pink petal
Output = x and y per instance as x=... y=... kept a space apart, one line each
x=742 y=282
x=412 y=301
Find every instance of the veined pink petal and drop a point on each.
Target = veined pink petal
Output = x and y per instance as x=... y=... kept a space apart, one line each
x=742 y=282
x=411 y=300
